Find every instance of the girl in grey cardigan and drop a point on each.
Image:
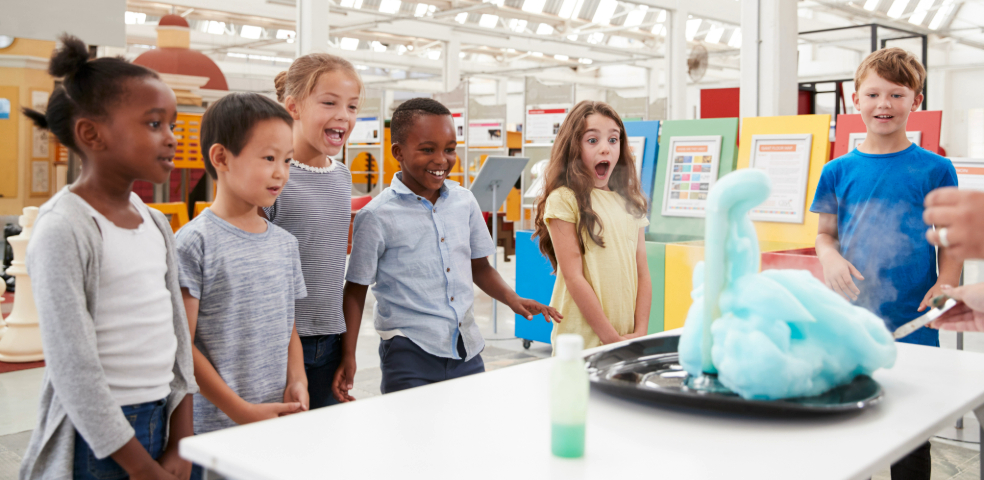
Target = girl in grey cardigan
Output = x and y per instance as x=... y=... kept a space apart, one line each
x=117 y=391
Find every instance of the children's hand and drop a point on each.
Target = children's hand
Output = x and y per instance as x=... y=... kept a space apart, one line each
x=967 y=316
x=154 y=472
x=174 y=464
x=297 y=392
x=344 y=380
x=837 y=272
x=631 y=336
x=257 y=412
x=528 y=308
x=934 y=292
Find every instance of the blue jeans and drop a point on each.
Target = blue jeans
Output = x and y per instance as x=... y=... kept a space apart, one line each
x=322 y=355
x=149 y=423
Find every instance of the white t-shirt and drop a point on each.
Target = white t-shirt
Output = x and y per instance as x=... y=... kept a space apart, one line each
x=134 y=316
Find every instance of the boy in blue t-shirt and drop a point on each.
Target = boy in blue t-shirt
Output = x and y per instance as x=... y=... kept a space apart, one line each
x=870 y=203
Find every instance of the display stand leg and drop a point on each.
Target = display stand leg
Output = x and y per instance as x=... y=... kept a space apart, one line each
x=960 y=341
x=495 y=254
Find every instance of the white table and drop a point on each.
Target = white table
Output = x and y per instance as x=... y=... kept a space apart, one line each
x=497 y=425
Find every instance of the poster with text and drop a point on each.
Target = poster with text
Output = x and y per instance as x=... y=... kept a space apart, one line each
x=459 y=125
x=39 y=137
x=486 y=133
x=637 y=145
x=542 y=124
x=367 y=130
x=786 y=160
x=970 y=173
x=856 y=138
x=690 y=174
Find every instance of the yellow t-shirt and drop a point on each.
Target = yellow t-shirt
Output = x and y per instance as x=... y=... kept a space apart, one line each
x=611 y=271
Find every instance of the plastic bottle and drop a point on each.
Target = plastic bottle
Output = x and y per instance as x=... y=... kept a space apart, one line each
x=568 y=398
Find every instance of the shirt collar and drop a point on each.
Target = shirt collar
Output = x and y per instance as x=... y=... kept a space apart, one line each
x=401 y=189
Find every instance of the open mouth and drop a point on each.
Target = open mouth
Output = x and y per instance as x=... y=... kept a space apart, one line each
x=335 y=136
x=437 y=173
x=884 y=117
x=168 y=161
x=601 y=169
x=273 y=190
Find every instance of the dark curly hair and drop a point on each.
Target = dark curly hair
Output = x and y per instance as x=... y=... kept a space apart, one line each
x=407 y=113
x=89 y=88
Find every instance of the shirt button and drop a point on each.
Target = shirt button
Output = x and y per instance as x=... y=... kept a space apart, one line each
x=449 y=270
x=452 y=299
x=442 y=239
x=418 y=198
x=459 y=324
x=435 y=209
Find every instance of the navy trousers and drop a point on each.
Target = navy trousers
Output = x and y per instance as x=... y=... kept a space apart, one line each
x=405 y=365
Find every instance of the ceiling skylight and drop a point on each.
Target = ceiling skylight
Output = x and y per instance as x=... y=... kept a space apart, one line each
x=488 y=21
x=544 y=29
x=347 y=43
x=606 y=8
x=714 y=34
x=389 y=6
x=944 y=11
x=735 y=41
x=251 y=31
x=533 y=6
x=693 y=26
x=897 y=8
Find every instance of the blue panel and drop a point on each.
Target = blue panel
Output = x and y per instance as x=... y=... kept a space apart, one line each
x=650 y=130
x=533 y=280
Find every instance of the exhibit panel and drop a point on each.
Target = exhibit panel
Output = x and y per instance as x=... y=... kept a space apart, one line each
x=922 y=128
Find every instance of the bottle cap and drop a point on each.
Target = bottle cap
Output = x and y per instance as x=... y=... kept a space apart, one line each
x=569 y=346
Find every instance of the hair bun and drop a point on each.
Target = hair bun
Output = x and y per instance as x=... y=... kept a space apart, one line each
x=280 y=83
x=70 y=58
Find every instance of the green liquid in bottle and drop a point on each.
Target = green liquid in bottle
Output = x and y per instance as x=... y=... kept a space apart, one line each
x=567 y=440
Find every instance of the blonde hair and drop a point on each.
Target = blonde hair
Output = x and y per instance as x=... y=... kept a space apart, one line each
x=299 y=80
x=895 y=65
x=566 y=169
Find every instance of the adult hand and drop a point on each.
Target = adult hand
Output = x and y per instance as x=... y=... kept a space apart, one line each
x=837 y=273
x=344 y=380
x=967 y=316
x=961 y=212
x=528 y=308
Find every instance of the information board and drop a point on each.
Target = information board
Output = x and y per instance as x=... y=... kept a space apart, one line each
x=786 y=160
x=692 y=171
x=486 y=133
x=542 y=124
x=366 y=131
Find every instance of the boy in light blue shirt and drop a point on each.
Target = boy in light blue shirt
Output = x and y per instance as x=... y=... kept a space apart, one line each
x=421 y=244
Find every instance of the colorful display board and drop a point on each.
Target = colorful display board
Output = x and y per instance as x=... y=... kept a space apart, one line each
x=801 y=233
x=926 y=122
x=644 y=134
x=694 y=164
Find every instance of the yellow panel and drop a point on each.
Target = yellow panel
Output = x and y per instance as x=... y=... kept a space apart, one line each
x=819 y=125
x=176 y=38
x=177 y=213
x=187 y=130
x=680 y=261
x=10 y=140
x=360 y=164
x=30 y=48
x=390 y=165
x=513 y=205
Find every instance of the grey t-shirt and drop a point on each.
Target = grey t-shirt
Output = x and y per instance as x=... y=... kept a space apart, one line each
x=246 y=284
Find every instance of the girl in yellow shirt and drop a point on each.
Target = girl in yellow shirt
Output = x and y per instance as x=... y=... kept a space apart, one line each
x=591 y=220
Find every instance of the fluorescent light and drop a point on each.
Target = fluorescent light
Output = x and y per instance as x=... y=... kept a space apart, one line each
x=358 y=4
x=941 y=14
x=401 y=49
x=434 y=54
x=922 y=9
x=897 y=8
x=586 y=61
x=662 y=16
x=251 y=31
x=389 y=6
x=533 y=6
x=693 y=26
x=286 y=35
x=567 y=8
x=596 y=37
x=517 y=25
x=348 y=3
x=488 y=21
x=544 y=29
x=635 y=16
x=871 y=5
x=735 y=41
x=377 y=47
x=421 y=10
x=536 y=54
x=714 y=35
x=658 y=29
x=216 y=28
x=562 y=57
x=361 y=67
x=461 y=17
x=134 y=18
x=572 y=37
x=348 y=43
x=603 y=14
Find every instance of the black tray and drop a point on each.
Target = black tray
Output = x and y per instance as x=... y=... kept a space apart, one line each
x=649 y=370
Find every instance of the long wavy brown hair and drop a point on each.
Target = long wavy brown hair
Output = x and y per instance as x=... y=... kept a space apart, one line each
x=566 y=169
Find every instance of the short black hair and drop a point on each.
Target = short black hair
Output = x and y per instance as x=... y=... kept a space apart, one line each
x=407 y=113
x=230 y=121
x=88 y=89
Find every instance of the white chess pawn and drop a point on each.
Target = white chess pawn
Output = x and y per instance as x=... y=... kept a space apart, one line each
x=21 y=341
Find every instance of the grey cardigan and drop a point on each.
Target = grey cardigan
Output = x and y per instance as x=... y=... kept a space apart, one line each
x=63 y=259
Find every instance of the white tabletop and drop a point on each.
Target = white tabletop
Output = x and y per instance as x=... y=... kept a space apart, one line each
x=497 y=425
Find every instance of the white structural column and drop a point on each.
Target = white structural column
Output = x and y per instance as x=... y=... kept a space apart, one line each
x=451 y=67
x=21 y=342
x=677 y=65
x=768 y=58
x=312 y=27
x=501 y=91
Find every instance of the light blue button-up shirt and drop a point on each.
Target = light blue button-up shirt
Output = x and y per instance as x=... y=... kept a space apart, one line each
x=417 y=257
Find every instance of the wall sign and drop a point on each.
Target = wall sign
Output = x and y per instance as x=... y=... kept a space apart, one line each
x=786 y=160
x=691 y=172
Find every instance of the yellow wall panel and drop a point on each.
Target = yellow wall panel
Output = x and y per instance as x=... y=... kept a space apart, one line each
x=819 y=125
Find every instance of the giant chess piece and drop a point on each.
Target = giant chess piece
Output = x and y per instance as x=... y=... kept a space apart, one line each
x=21 y=341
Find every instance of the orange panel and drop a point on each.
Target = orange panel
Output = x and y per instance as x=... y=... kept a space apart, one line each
x=187 y=129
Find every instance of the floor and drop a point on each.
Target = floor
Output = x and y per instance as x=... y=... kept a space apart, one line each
x=952 y=460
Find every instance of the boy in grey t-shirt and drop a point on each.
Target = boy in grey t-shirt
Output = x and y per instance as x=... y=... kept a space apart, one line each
x=240 y=274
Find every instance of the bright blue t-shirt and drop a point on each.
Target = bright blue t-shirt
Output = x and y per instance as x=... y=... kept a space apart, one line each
x=878 y=200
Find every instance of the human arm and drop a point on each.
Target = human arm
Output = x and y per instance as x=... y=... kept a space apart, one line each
x=569 y=264
x=215 y=389
x=644 y=296
x=967 y=316
x=296 y=390
x=181 y=426
x=353 y=304
x=489 y=280
x=837 y=271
